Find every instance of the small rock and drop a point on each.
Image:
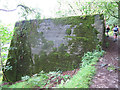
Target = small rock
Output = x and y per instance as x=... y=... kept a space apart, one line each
x=101 y=59
x=108 y=65
x=103 y=65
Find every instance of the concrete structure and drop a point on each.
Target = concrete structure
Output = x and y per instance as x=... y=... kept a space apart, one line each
x=52 y=44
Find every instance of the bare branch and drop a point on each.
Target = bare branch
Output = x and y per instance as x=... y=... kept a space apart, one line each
x=72 y=8
x=25 y=7
x=7 y=10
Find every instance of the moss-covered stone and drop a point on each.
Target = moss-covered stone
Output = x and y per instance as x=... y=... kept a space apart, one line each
x=35 y=49
x=68 y=31
x=20 y=57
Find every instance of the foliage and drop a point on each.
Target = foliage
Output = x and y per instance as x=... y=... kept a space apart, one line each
x=112 y=21
x=25 y=78
x=87 y=70
x=107 y=44
x=25 y=12
x=110 y=33
x=55 y=77
x=108 y=9
x=110 y=68
x=68 y=31
x=38 y=15
x=80 y=80
x=26 y=36
x=81 y=25
x=29 y=12
x=37 y=80
x=90 y=57
x=5 y=36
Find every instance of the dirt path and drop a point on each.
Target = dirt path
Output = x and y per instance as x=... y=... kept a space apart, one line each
x=106 y=77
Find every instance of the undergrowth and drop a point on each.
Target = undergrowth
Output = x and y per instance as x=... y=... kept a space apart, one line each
x=87 y=70
x=80 y=80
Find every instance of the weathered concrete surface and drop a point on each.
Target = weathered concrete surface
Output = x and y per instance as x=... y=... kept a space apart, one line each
x=99 y=25
x=52 y=44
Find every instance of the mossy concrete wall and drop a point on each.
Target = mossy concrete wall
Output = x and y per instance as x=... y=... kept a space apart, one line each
x=52 y=44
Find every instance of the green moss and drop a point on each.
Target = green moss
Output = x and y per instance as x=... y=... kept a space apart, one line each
x=101 y=16
x=68 y=31
x=48 y=28
x=87 y=70
x=62 y=48
x=95 y=31
x=74 y=20
x=26 y=36
x=55 y=60
x=20 y=58
x=48 y=44
x=85 y=34
x=40 y=21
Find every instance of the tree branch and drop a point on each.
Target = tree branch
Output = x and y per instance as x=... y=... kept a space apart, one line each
x=25 y=7
x=72 y=8
x=8 y=10
x=108 y=10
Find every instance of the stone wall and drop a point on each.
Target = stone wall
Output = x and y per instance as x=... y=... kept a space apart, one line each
x=52 y=44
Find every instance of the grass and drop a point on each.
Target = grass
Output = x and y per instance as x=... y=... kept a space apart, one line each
x=81 y=80
x=38 y=80
x=110 y=68
x=87 y=70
